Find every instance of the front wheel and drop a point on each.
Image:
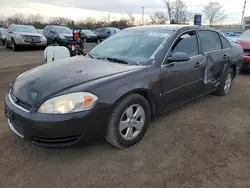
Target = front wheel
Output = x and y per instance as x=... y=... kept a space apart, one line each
x=129 y=121
x=98 y=40
x=5 y=43
x=226 y=83
x=13 y=45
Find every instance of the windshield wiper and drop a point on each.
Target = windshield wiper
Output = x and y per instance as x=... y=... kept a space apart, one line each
x=90 y=56
x=112 y=59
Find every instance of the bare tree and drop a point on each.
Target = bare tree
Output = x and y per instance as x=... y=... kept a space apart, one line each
x=59 y=21
x=158 y=18
x=131 y=19
x=214 y=12
x=177 y=11
x=16 y=19
x=35 y=18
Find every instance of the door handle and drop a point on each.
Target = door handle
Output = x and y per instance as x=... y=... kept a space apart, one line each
x=225 y=56
x=198 y=64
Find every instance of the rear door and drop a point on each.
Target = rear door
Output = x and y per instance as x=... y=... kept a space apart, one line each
x=182 y=81
x=215 y=55
x=46 y=33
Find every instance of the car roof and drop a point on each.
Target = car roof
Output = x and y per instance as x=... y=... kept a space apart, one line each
x=171 y=27
x=22 y=25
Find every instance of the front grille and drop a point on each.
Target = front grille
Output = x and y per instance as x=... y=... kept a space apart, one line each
x=62 y=141
x=29 y=38
x=69 y=38
x=18 y=127
x=20 y=103
x=246 y=51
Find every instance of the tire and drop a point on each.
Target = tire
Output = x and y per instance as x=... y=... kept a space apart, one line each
x=56 y=42
x=226 y=83
x=5 y=43
x=13 y=45
x=98 y=40
x=85 y=40
x=118 y=135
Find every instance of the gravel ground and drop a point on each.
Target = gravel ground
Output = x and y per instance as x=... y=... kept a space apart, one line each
x=204 y=144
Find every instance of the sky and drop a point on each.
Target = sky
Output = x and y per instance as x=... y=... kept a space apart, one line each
x=80 y=9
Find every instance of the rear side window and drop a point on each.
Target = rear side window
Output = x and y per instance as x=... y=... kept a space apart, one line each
x=210 y=41
x=225 y=43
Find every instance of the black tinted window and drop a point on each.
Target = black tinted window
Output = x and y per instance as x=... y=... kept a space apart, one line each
x=187 y=43
x=225 y=43
x=210 y=41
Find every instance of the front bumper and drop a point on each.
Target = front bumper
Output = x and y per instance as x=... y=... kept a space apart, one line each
x=56 y=130
x=246 y=63
x=38 y=44
x=91 y=39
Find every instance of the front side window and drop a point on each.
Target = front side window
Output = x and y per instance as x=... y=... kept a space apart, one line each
x=186 y=43
x=25 y=29
x=210 y=41
x=131 y=45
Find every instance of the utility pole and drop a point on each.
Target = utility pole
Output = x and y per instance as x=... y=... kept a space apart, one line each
x=142 y=18
x=243 y=13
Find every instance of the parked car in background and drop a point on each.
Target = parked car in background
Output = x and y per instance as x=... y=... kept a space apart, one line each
x=120 y=84
x=24 y=35
x=40 y=31
x=103 y=33
x=3 y=33
x=88 y=36
x=244 y=41
x=62 y=36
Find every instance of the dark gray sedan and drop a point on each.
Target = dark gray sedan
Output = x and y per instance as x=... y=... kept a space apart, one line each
x=116 y=89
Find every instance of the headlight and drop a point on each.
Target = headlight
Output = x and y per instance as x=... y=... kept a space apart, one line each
x=18 y=36
x=69 y=103
x=62 y=37
x=43 y=38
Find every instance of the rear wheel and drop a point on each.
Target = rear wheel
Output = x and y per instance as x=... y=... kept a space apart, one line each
x=129 y=121
x=226 y=83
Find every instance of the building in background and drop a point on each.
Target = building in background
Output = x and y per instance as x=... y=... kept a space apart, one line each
x=246 y=23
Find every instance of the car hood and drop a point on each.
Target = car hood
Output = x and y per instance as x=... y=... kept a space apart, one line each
x=91 y=35
x=30 y=34
x=245 y=43
x=37 y=84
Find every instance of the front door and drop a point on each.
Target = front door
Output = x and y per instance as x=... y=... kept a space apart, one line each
x=182 y=81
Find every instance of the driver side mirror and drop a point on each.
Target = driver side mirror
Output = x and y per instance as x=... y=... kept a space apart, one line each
x=52 y=32
x=178 y=57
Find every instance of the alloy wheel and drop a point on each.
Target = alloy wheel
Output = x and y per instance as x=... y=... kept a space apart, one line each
x=132 y=122
x=228 y=83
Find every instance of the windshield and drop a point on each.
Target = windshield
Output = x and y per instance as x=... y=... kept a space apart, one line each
x=64 y=30
x=131 y=45
x=245 y=35
x=88 y=32
x=4 y=31
x=25 y=29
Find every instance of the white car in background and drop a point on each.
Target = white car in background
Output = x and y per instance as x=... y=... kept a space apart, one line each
x=24 y=35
